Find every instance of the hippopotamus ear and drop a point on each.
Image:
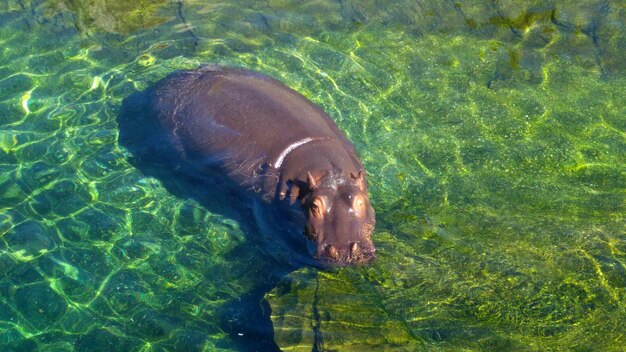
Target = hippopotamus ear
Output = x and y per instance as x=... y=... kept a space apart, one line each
x=291 y=189
x=294 y=192
x=359 y=180
x=312 y=182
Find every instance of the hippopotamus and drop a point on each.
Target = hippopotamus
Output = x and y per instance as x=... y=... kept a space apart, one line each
x=272 y=142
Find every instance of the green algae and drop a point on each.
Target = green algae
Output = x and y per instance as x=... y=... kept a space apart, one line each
x=493 y=135
x=495 y=214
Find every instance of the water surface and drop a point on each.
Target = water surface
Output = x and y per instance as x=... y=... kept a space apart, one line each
x=494 y=135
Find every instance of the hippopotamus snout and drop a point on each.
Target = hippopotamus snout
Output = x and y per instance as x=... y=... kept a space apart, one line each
x=352 y=253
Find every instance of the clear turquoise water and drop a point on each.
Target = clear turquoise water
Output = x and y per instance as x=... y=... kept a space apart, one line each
x=494 y=135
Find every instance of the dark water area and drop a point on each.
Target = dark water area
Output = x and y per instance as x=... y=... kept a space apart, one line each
x=493 y=133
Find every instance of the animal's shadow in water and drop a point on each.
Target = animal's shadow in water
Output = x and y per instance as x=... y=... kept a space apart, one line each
x=245 y=319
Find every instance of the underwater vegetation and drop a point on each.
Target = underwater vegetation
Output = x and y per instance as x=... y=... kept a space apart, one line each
x=494 y=135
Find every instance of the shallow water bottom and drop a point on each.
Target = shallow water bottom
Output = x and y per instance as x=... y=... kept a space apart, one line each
x=493 y=136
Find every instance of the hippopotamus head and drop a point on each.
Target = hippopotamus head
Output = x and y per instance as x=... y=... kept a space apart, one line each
x=340 y=219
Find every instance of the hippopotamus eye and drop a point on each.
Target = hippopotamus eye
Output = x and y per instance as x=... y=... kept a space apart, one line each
x=317 y=207
x=358 y=205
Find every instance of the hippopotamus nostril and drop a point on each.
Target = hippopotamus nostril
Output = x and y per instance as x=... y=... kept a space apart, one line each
x=355 y=250
x=331 y=252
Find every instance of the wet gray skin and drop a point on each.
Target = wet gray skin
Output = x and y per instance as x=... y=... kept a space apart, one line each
x=274 y=144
